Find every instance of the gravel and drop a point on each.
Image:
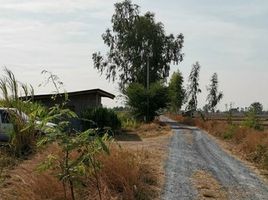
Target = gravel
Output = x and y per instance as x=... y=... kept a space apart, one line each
x=190 y=150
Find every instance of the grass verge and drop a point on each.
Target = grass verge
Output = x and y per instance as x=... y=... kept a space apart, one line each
x=133 y=170
x=124 y=174
x=248 y=143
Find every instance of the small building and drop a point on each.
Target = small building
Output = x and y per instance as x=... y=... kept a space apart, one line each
x=77 y=101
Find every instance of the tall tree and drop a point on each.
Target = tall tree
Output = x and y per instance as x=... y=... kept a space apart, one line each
x=256 y=107
x=176 y=91
x=214 y=96
x=193 y=88
x=135 y=41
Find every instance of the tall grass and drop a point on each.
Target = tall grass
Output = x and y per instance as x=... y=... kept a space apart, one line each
x=123 y=175
x=22 y=141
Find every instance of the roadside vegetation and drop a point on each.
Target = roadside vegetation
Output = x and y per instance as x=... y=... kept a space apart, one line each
x=53 y=162
x=248 y=138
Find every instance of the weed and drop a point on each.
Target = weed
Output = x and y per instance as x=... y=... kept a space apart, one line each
x=230 y=132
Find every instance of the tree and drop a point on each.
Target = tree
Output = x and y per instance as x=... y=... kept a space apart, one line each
x=137 y=96
x=134 y=41
x=193 y=88
x=256 y=107
x=176 y=91
x=214 y=96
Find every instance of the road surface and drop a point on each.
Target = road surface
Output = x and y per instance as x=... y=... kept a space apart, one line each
x=192 y=152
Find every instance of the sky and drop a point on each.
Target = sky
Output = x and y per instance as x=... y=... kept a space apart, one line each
x=227 y=37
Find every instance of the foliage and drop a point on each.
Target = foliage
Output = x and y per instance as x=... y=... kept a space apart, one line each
x=252 y=120
x=86 y=145
x=214 y=96
x=103 y=117
x=256 y=107
x=133 y=41
x=230 y=131
x=193 y=88
x=176 y=91
x=23 y=138
x=138 y=97
x=127 y=120
x=119 y=109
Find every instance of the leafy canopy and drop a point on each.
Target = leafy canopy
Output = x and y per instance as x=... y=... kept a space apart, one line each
x=256 y=107
x=137 y=97
x=133 y=40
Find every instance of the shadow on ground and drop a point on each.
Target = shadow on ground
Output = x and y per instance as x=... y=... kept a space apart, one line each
x=128 y=137
x=176 y=125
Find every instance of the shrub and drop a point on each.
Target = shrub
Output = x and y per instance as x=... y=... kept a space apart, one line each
x=127 y=120
x=252 y=121
x=229 y=132
x=138 y=96
x=103 y=117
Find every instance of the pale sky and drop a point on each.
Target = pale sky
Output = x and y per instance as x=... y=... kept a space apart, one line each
x=228 y=37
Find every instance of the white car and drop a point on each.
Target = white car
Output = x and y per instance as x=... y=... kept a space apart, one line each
x=6 y=125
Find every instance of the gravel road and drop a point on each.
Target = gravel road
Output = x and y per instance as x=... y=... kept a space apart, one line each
x=191 y=150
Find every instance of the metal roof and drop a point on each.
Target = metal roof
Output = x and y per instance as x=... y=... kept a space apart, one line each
x=102 y=93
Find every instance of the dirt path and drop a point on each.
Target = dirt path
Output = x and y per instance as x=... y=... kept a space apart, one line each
x=197 y=168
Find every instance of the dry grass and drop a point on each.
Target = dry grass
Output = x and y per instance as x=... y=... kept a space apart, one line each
x=153 y=139
x=133 y=170
x=248 y=143
x=124 y=175
x=207 y=186
x=26 y=183
x=128 y=175
x=153 y=129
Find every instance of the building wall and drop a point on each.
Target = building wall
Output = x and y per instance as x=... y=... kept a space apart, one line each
x=82 y=102
x=77 y=103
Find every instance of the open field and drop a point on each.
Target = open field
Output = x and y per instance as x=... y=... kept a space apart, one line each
x=239 y=118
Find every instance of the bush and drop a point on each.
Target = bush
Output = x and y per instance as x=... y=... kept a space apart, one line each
x=252 y=121
x=103 y=117
x=230 y=132
x=137 y=98
x=128 y=121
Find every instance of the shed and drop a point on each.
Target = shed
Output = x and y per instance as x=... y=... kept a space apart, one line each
x=77 y=101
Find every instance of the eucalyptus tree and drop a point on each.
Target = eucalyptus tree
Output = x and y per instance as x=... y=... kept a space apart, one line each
x=214 y=96
x=136 y=41
x=193 y=88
